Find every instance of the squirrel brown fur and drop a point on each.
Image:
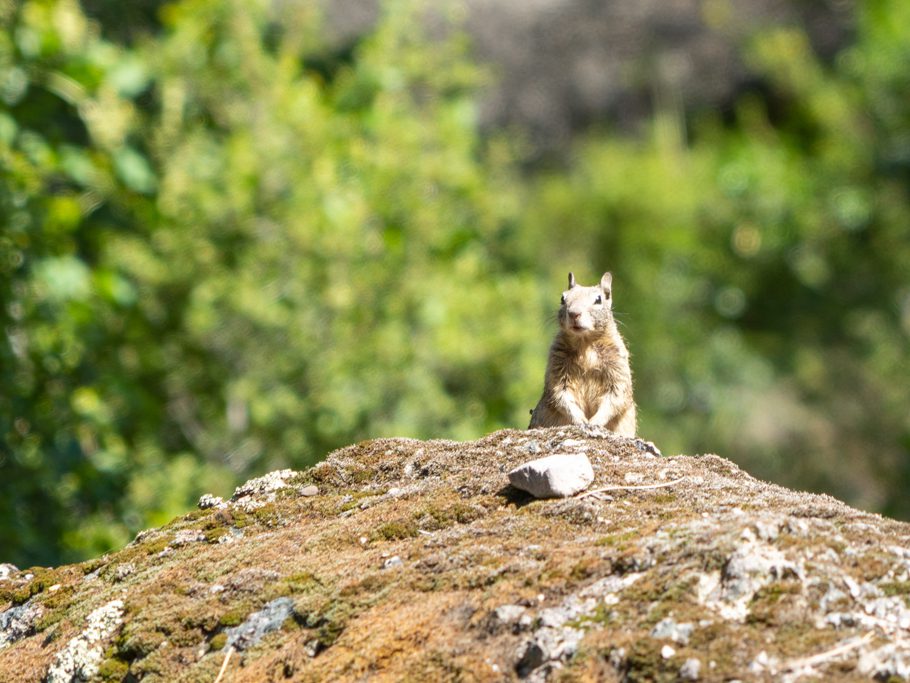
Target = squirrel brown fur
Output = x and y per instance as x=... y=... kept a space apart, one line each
x=588 y=378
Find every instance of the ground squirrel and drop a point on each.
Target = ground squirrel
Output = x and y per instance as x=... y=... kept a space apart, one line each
x=588 y=378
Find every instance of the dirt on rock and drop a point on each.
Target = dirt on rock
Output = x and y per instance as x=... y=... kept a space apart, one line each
x=397 y=559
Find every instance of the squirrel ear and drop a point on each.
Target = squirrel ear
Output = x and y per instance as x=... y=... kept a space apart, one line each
x=571 y=280
x=606 y=281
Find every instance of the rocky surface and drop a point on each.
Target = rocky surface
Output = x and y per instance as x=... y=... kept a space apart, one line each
x=400 y=559
x=80 y=657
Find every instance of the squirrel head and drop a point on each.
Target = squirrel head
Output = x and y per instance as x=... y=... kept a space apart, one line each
x=587 y=311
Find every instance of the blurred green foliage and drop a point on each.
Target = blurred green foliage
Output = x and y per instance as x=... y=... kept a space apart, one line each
x=226 y=248
x=763 y=264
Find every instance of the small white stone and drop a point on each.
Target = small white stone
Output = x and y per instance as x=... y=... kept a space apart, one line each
x=392 y=562
x=556 y=476
x=690 y=670
x=667 y=652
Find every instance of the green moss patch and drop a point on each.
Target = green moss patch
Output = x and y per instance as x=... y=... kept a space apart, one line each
x=396 y=530
x=42 y=579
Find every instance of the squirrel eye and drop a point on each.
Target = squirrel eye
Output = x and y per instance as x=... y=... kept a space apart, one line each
x=598 y=299
x=562 y=300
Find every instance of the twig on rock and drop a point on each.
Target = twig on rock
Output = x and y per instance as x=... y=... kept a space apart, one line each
x=593 y=492
x=822 y=657
x=227 y=658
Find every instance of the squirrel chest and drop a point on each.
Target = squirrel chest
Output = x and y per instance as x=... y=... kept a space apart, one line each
x=591 y=373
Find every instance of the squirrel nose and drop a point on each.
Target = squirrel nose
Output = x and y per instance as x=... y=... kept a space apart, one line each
x=575 y=315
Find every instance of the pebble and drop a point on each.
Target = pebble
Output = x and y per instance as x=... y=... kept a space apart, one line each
x=555 y=476
x=690 y=670
x=392 y=562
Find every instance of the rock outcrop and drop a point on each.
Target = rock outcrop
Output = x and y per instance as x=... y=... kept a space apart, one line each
x=398 y=559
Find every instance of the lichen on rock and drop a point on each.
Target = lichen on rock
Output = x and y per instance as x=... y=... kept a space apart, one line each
x=18 y=622
x=259 y=491
x=80 y=657
x=259 y=623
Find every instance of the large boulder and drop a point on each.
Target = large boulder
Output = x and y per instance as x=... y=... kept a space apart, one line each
x=416 y=560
